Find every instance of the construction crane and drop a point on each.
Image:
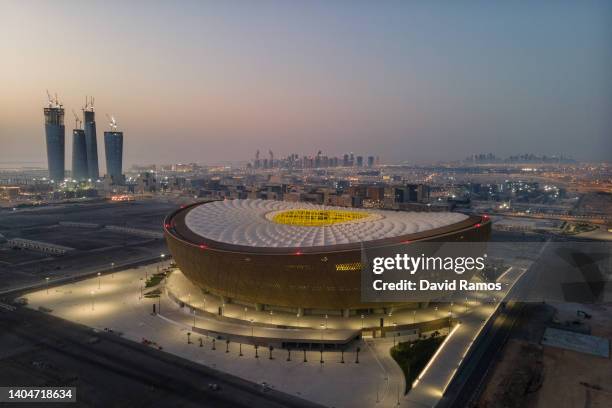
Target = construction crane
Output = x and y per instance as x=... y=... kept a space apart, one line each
x=112 y=122
x=53 y=100
x=78 y=121
x=89 y=103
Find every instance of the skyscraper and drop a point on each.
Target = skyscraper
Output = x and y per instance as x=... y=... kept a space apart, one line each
x=55 y=137
x=79 y=150
x=79 y=155
x=89 y=120
x=113 y=149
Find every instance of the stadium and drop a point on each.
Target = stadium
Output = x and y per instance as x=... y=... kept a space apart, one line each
x=297 y=257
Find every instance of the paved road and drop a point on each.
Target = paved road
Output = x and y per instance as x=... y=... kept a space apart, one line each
x=435 y=379
x=467 y=384
x=110 y=371
x=391 y=390
x=84 y=273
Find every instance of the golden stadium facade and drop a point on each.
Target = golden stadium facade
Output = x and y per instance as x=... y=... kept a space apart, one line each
x=297 y=256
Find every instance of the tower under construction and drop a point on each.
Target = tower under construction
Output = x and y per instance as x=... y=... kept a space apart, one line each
x=91 y=144
x=55 y=137
x=79 y=151
x=113 y=149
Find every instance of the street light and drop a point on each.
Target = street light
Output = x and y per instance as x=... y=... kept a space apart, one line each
x=112 y=269
x=362 y=321
x=398 y=397
x=47 y=281
x=395 y=332
x=159 y=302
x=99 y=280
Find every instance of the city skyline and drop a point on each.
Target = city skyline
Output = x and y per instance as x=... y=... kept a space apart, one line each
x=407 y=82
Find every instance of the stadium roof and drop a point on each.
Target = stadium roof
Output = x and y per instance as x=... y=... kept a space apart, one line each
x=279 y=224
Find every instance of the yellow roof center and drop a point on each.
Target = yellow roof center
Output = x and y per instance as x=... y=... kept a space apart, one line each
x=316 y=218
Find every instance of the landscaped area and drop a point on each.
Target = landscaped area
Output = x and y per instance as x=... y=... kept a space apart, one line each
x=570 y=228
x=155 y=279
x=413 y=356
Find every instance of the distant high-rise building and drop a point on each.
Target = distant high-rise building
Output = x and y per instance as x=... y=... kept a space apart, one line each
x=146 y=183
x=113 y=148
x=359 y=161
x=79 y=155
x=89 y=121
x=345 y=160
x=376 y=193
x=55 y=137
x=416 y=193
x=370 y=161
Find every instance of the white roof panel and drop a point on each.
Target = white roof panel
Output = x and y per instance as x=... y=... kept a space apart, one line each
x=249 y=223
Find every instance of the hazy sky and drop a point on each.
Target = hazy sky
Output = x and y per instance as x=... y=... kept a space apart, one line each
x=406 y=80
